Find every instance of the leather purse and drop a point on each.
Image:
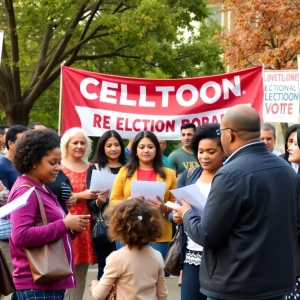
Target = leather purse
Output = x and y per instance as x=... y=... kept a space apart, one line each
x=48 y=263
x=6 y=282
x=100 y=229
x=172 y=260
x=112 y=294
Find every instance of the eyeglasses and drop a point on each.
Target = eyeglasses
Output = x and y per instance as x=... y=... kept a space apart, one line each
x=218 y=131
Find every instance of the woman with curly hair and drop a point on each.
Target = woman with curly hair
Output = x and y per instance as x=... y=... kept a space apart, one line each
x=76 y=149
x=37 y=157
x=135 y=223
x=145 y=164
x=207 y=149
x=109 y=157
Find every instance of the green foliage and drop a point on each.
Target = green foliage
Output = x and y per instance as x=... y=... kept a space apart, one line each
x=138 y=38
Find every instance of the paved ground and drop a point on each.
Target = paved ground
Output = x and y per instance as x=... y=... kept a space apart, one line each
x=173 y=289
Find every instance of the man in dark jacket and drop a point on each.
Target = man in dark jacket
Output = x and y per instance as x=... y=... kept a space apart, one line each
x=249 y=224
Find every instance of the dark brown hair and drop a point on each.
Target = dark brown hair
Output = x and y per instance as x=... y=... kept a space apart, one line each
x=134 y=222
x=133 y=162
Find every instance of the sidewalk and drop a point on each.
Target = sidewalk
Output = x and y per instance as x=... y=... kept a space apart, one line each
x=173 y=289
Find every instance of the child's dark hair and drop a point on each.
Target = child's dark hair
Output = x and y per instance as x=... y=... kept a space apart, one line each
x=134 y=222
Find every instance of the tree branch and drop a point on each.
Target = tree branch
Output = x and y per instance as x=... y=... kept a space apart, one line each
x=86 y=27
x=42 y=56
x=7 y=89
x=35 y=91
x=112 y=54
x=14 y=49
x=118 y=7
x=91 y=36
x=5 y=62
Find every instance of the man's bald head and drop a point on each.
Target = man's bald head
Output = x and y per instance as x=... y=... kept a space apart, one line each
x=243 y=119
x=240 y=126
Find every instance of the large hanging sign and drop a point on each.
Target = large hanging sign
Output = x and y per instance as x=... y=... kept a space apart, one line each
x=97 y=102
x=281 y=101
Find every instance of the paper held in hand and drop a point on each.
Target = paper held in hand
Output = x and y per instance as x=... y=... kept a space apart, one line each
x=102 y=180
x=15 y=204
x=193 y=196
x=148 y=189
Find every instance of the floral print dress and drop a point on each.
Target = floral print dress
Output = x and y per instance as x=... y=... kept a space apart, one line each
x=83 y=246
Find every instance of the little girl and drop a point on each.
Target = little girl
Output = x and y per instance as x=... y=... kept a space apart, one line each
x=137 y=270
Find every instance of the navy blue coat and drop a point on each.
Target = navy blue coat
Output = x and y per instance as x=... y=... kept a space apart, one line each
x=249 y=227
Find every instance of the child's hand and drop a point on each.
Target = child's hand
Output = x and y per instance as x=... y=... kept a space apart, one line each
x=92 y=285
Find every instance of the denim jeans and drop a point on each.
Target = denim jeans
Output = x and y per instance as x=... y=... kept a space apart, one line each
x=274 y=298
x=190 y=285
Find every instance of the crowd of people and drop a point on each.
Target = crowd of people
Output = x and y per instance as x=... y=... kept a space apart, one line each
x=243 y=246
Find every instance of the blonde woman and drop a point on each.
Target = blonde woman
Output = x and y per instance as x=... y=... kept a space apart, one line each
x=76 y=149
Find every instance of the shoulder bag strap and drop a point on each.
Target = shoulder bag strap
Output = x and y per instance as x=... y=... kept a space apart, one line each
x=41 y=205
x=189 y=174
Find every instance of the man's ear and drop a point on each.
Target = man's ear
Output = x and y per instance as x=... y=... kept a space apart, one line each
x=231 y=136
x=10 y=143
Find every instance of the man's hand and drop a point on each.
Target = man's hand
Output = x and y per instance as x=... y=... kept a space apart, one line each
x=181 y=209
x=177 y=219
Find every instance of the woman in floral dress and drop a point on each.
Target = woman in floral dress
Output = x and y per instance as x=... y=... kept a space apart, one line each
x=76 y=148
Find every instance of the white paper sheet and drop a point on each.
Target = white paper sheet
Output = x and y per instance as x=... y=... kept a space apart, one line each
x=148 y=189
x=172 y=205
x=102 y=180
x=15 y=204
x=192 y=195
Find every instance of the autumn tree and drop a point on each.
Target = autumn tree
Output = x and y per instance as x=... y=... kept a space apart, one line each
x=104 y=35
x=266 y=31
x=263 y=31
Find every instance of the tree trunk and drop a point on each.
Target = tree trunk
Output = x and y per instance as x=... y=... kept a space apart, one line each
x=284 y=127
x=17 y=114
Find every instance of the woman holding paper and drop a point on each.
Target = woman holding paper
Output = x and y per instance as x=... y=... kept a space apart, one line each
x=76 y=149
x=109 y=157
x=145 y=164
x=207 y=148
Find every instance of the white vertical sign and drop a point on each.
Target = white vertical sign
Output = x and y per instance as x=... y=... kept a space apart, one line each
x=1 y=43
x=281 y=97
x=298 y=59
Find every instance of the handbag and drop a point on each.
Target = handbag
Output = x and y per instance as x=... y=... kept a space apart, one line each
x=6 y=282
x=112 y=294
x=100 y=229
x=5 y=229
x=172 y=260
x=48 y=263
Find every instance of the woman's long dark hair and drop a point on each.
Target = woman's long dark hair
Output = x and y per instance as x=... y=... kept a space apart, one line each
x=289 y=131
x=133 y=162
x=100 y=156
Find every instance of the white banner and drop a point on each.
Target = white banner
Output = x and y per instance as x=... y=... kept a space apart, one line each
x=1 y=43
x=298 y=59
x=97 y=121
x=281 y=96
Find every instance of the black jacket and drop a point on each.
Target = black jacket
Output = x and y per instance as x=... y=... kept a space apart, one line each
x=57 y=189
x=249 y=227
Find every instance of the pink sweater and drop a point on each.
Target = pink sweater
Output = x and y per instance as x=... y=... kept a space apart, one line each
x=25 y=234
x=138 y=275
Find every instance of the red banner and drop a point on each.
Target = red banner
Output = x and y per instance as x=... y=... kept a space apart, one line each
x=97 y=102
